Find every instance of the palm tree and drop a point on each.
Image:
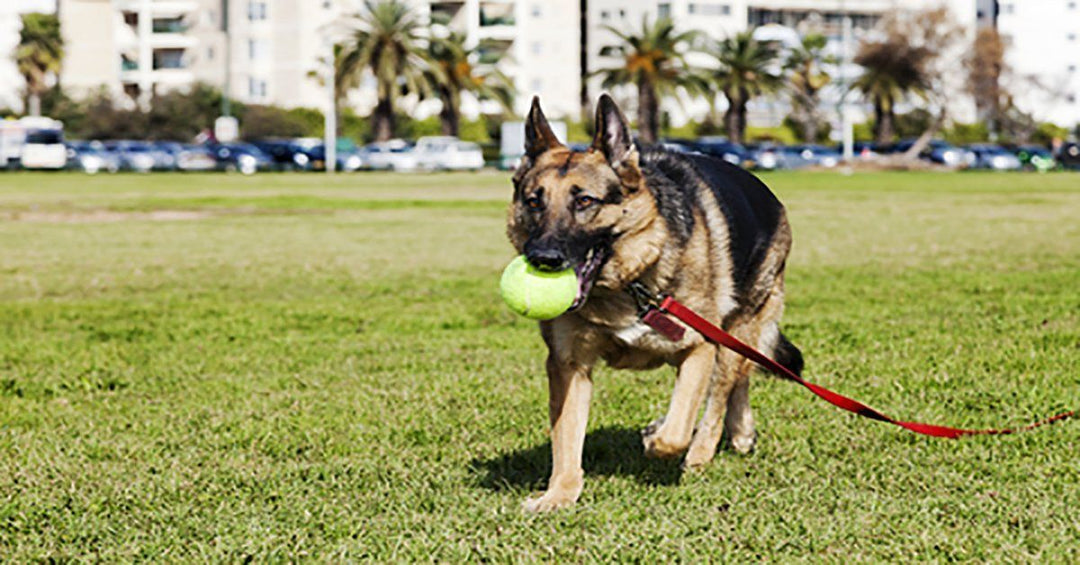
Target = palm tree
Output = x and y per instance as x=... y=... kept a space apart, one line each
x=385 y=40
x=892 y=70
x=453 y=71
x=744 y=71
x=806 y=79
x=654 y=59
x=40 y=51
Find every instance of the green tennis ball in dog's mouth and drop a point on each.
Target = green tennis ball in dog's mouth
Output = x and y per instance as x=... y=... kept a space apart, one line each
x=536 y=294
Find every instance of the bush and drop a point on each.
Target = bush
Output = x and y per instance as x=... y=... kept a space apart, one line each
x=961 y=133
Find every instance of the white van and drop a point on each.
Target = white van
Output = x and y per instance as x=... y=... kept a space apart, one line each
x=44 y=144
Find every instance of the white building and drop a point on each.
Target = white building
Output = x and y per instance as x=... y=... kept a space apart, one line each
x=1042 y=40
x=11 y=82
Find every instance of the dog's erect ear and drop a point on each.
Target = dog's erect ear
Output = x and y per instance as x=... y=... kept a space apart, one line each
x=538 y=134
x=613 y=137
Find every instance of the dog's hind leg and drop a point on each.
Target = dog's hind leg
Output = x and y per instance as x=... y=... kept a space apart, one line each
x=672 y=436
x=710 y=427
x=764 y=333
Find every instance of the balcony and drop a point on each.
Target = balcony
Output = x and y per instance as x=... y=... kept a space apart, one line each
x=170 y=25
x=162 y=8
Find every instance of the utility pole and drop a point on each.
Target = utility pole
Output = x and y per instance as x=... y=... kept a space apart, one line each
x=226 y=107
x=330 y=116
x=845 y=114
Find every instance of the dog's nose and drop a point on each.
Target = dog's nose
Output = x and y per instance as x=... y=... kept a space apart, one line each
x=546 y=259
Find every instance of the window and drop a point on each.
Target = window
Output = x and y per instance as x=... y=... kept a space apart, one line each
x=256 y=88
x=536 y=10
x=604 y=14
x=702 y=9
x=258 y=49
x=622 y=13
x=663 y=11
x=1071 y=37
x=1072 y=68
x=1072 y=5
x=257 y=10
x=209 y=53
x=1008 y=9
x=537 y=47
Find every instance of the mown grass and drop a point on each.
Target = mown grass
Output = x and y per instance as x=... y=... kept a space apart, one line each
x=303 y=367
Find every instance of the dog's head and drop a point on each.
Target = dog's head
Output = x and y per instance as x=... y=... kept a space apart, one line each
x=570 y=207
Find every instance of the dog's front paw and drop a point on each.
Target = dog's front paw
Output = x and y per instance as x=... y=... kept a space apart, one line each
x=550 y=500
x=656 y=443
x=744 y=443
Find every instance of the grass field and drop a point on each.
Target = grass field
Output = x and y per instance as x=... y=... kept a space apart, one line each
x=292 y=367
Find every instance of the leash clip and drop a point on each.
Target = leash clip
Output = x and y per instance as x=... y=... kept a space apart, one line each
x=651 y=313
x=644 y=298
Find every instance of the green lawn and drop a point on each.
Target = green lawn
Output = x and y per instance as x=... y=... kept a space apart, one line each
x=288 y=366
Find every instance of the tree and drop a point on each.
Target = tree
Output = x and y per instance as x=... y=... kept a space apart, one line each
x=902 y=61
x=986 y=66
x=452 y=72
x=806 y=78
x=744 y=71
x=654 y=60
x=40 y=51
x=385 y=40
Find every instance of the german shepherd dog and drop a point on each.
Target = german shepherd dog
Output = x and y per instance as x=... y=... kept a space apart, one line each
x=687 y=225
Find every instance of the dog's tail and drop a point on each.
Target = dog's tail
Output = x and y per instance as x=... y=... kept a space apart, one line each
x=786 y=354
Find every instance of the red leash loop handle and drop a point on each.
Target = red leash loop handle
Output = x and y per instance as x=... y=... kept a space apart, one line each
x=720 y=337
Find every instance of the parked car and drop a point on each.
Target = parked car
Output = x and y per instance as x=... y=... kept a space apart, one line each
x=242 y=157
x=445 y=153
x=721 y=148
x=91 y=157
x=940 y=151
x=134 y=155
x=1035 y=157
x=818 y=155
x=1069 y=156
x=195 y=158
x=44 y=148
x=765 y=156
x=347 y=158
x=392 y=155
x=286 y=154
x=994 y=158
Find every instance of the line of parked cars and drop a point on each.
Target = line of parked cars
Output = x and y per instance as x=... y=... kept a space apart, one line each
x=436 y=153
x=770 y=156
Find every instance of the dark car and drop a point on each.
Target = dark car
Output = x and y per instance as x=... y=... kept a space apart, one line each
x=940 y=151
x=721 y=148
x=816 y=155
x=91 y=157
x=1035 y=157
x=1069 y=156
x=286 y=154
x=136 y=156
x=242 y=157
x=994 y=157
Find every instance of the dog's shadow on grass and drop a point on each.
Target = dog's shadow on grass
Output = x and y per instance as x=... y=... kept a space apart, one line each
x=608 y=452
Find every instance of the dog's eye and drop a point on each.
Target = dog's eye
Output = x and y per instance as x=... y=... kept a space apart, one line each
x=534 y=203
x=584 y=201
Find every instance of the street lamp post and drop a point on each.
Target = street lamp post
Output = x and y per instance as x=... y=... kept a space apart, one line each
x=330 y=116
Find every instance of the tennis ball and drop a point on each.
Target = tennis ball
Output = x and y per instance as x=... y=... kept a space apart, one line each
x=536 y=294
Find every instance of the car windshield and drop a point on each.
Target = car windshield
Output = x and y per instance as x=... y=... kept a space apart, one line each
x=45 y=136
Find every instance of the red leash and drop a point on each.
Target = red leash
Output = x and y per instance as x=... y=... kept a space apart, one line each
x=654 y=317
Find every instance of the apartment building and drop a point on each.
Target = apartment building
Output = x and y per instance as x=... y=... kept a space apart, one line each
x=1042 y=42
x=11 y=82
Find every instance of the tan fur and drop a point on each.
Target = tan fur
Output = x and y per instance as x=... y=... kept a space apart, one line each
x=698 y=272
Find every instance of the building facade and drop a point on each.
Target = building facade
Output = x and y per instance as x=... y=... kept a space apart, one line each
x=12 y=84
x=277 y=51
x=1042 y=51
